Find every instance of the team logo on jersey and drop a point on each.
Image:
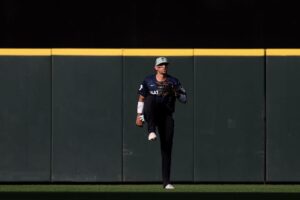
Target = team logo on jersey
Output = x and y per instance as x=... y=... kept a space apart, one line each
x=154 y=92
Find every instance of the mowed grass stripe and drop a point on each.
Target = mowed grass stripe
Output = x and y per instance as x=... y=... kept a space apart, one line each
x=211 y=188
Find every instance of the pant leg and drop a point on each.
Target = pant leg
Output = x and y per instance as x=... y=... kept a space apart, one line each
x=150 y=113
x=166 y=132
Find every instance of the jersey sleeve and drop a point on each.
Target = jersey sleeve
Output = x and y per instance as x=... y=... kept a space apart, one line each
x=143 y=89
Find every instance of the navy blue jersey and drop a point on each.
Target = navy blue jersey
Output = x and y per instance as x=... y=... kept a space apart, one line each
x=165 y=92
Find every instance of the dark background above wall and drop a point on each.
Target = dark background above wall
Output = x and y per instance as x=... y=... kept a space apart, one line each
x=149 y=24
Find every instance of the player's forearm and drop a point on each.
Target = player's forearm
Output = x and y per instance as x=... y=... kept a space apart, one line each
x=181 y=94
x=140 y=105
x=141 y=98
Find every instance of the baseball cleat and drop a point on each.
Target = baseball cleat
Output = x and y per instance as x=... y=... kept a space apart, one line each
x=152 y=136
x=169 y=187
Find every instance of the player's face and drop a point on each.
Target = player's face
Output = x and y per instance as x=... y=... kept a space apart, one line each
x=162 y=69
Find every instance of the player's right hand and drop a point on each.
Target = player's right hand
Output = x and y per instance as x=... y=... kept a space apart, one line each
x=139 y=120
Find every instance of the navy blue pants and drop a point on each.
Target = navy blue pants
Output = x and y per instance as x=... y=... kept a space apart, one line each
x=159 y=118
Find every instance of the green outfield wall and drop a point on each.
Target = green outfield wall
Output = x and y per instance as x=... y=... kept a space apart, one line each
x=68 y=115
x=283 y=115
x=25 y=117
x=229 y=118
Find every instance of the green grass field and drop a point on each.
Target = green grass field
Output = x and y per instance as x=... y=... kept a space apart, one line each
x=202 y=188
x=148 y=192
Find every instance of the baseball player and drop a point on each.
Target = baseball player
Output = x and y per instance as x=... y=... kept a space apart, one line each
x=156 y=105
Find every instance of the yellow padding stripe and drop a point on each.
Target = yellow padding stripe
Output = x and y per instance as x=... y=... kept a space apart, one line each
x=87 y=52
x=25 y=52
x=146 y=52
x=158 y=52
x=229 y=52
x=283 y=52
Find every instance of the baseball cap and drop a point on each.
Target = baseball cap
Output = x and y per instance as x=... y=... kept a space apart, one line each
x=161 y=60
